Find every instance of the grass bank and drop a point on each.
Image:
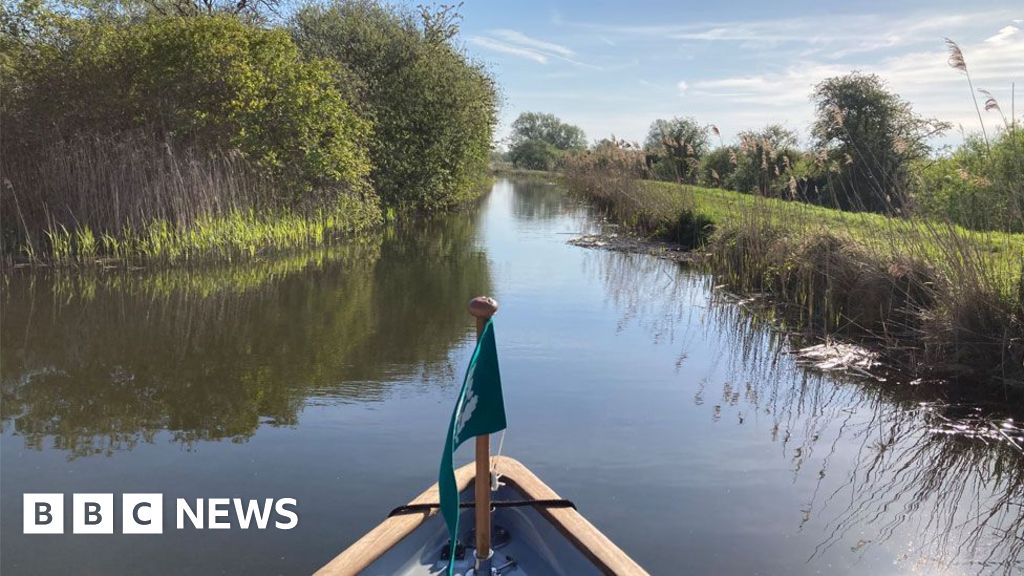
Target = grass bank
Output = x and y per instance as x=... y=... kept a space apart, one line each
x=937 y=299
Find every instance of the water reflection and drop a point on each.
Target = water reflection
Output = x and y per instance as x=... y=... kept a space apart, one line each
x=882 y=463
x=98 y=363
x=634 y=389
x=539 y=199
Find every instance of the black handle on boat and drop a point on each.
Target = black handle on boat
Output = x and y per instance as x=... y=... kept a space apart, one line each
x=427 y=507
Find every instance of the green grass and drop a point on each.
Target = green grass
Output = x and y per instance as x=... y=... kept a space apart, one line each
x=938 y=299
x=236 y=234
x=1002 y=254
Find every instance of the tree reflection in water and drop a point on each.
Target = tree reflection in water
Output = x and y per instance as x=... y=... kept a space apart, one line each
x=885 y=460
x=96 y=363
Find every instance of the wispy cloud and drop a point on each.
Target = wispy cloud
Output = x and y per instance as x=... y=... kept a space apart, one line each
x=506 y=48
x=543 y=46
x=518 y=44
x=682 y=86
x=859 y=33
x=1005 y=35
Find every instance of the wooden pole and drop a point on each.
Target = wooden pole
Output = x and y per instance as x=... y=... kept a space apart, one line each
x=482 y=308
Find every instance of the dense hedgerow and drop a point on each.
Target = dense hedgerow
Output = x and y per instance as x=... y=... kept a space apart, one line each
x=978 y=186
x=118 y=117
x=433 y=110
x=212 y=83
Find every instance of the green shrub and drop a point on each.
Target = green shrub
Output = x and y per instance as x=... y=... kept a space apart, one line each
x=213 y=83
x=535 y=155
x=765 y=162
x=433 y=110
x=674 y=149
x=718 y=166
x=976 y=186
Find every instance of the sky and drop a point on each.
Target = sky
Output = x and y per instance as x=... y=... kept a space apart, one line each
x=613 y=67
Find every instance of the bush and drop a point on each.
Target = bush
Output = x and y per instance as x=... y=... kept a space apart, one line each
x=765 y=163
x=433 y=110
x=675 y=148
x=535 y=155
x=718 y=166
x=976 y=186
x=212 y=83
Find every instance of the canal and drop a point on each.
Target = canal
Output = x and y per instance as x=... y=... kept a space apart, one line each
x=678 y=422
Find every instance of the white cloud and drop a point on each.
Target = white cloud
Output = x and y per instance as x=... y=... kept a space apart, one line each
x=505 y=48
x=1005 y=34
x=518 y=44
x=858 y=33
x=683 y=87
x=521 y=39
x=922 y=77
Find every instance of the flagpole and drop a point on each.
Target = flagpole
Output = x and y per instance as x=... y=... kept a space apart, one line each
x=482 y=308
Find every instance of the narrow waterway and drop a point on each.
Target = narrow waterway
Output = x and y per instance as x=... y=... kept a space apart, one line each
x=677 y=422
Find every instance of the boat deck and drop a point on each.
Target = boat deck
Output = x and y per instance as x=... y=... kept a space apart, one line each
x=540 y=540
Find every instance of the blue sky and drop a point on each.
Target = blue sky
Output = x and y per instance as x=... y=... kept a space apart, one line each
x=613 y=67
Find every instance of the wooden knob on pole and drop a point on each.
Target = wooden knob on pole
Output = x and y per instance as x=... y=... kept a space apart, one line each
x=482 y=308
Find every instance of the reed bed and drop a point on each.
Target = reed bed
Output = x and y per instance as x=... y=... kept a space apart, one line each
x=939 y=300
x=135 y=196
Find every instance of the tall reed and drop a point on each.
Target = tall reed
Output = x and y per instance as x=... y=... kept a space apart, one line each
x=138 y=195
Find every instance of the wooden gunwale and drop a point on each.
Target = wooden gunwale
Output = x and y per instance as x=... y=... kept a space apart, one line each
x=584 y=535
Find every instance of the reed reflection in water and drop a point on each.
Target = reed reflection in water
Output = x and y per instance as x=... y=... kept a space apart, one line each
x=633 y=387
x=99 y=362
x=960 y=495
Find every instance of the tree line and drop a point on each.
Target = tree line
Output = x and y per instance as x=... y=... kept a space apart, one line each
x=118 y=114
x=868 y=151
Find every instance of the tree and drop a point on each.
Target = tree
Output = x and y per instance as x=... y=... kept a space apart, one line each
x=253 y=11
x=215 y=83
x=866 y=138
x=539 y=140
x=675 y=147
x=765 y=160
x=718 y=166
x=433 y=109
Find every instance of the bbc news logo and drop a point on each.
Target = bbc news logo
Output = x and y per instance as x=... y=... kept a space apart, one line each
x=144 y=513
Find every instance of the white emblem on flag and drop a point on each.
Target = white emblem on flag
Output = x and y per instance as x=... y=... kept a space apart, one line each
x=468 y=406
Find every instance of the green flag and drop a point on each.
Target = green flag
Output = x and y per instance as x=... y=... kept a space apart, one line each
x=480 y=409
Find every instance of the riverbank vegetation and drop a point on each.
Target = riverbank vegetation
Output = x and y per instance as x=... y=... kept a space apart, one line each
x=261 y=338
x=865 y=235
x=179 y=131
x=541 y=142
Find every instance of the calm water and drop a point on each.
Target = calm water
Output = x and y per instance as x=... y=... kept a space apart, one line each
x=676 y=421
